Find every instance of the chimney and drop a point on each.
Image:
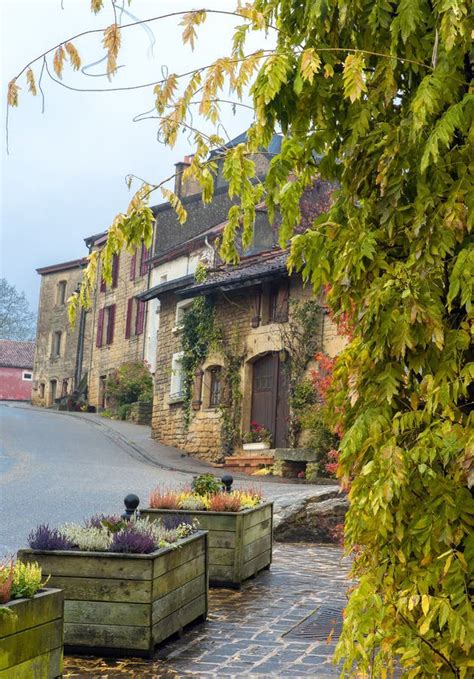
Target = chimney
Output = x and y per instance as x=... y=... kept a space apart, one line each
x=188 y=186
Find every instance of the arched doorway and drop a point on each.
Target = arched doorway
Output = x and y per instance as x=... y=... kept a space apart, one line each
x=270 y=406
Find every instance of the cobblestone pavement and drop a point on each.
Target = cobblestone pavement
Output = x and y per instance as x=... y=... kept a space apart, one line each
x=245 y=631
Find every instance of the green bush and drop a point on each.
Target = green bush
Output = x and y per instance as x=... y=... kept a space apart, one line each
x=206 y=484
x=124 y=411
x=320 y=438
x=130 y=383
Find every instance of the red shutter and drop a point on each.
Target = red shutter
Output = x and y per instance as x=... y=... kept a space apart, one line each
x=128 y=324
x=282 y=303
x=145 y=253
x=110 y=324
x=133 y=266
x=103 y=285
x=140 y=318
x=100 y=327
x=115 y=270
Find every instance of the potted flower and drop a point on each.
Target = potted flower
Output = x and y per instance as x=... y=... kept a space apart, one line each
x=257 y=438
x=31 y=623
x=239 y=522
x=128 y=585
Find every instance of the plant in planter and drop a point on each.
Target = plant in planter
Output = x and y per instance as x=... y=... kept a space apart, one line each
x=257 y=438
x=126 y=585
x=31 y=623
x=239 y=524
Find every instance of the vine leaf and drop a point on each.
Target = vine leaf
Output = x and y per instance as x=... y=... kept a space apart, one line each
x=58 y=61
x=30 y=79
x=12 y=96
x=353 y=77
x=111 y=42
x=189 y=22
x=74 y=57
x=310 y=63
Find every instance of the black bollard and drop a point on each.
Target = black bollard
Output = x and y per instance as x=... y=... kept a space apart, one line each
x=131 y=502
x=227 y=481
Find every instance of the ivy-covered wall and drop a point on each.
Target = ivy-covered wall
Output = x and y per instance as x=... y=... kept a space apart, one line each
x=209 y=433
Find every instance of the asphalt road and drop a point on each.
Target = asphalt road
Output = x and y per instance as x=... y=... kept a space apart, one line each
x=56 y=468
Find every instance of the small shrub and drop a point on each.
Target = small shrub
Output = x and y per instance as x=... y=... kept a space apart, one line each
x=225 y=502
x=26 y=580
x=124 y=411
x=164 y=499
x=131 y=540
x=193 y=503
x=87 y=538
x=45 y=538
x=256 y=434
x=312 y=471
x=131 y=382
x=206 y=484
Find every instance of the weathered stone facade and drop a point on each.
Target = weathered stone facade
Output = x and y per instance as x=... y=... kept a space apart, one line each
x=118 y=320
x=57 y=368
x=234 y=314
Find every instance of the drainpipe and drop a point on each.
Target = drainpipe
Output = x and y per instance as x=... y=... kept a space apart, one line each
x=80 y=345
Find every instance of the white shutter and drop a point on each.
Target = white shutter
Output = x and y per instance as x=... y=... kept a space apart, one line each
x=176 y=385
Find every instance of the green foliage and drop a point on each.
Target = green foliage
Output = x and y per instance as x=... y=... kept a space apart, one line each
x=198 y=335
x=230 y=409
x=312 y=471
x=130 y=383
x=320 y=438
x=27 y=580
x=123 y=411
x=206 y=484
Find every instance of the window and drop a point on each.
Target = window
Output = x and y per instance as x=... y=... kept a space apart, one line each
x=135 y=317
x=105 y=320
x=42 y=388
x=181 y=309
x=56 y=344
x=177 y=376
x=215 y=387
x=64 y=387
x=61 y=293
x=144 y=256
x=278 y=303
x=27 y=376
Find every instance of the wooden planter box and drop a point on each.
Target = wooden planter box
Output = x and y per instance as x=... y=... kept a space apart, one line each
x=31 y=640
x=240 y=543
x=125 y=604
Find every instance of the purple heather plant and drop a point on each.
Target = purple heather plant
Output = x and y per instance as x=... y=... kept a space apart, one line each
x=132 y=541
x=172 y=521
x=46 y=538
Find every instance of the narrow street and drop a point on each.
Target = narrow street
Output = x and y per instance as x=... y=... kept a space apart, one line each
x=55 y=468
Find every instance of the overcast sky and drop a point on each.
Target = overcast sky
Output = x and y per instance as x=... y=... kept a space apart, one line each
x=64 y=177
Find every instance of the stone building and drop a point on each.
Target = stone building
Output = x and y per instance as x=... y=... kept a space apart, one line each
x=117 y=318
x=62 y=351
x=252 y=310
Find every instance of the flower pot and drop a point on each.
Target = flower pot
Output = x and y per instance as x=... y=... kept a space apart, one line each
x=127 y=603
x=256 y=445
x=240 y=543
x=31 y=640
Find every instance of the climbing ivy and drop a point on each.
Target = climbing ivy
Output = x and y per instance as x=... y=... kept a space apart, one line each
x=231 y=408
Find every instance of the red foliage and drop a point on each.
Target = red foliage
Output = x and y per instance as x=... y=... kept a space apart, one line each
x=337 y=533
x=163 y=499
x=333 y=464
x=6 y=581
x=224 y=502
x=344 y=322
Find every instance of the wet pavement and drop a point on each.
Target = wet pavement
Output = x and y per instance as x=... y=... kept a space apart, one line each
x=252 y=632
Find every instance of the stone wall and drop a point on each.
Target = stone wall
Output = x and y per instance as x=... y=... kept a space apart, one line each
x=233 y=314
x=52 y=318
x=104 y=359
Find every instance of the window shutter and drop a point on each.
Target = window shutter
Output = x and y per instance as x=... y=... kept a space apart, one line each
x=140 y=317
x=103 y=285
x=133 y=266
x=145 y=253
x=115 y=270
x=110 y=324
x=100 y=327
x=282 y=303
x=128 y=324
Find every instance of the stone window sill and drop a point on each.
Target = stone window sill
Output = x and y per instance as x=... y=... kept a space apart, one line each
x=175 y=400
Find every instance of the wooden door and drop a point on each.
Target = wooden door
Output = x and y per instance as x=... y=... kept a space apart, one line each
x=270 y=397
